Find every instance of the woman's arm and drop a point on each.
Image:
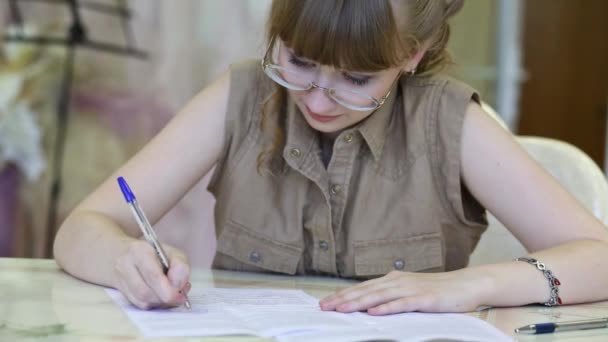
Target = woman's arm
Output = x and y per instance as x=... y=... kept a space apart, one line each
x=537 y=210
x=101 y=228
x=549 y=222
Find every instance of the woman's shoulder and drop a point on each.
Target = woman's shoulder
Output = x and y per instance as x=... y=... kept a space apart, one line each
x=436 y=97
x=442 y=82
x=246 y=67
x=247 y=80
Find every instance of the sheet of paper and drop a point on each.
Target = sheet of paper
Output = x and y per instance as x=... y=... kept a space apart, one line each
x=279 y=320
x=215 y=312
x=407 y=327
x=293 y=316
x=203 y=321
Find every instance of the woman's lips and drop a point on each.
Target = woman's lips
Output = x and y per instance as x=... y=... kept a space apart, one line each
x=321 y=118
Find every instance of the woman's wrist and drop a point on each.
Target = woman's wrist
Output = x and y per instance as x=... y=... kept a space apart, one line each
x=511 y=283
x=483 y=283
x=553 y=282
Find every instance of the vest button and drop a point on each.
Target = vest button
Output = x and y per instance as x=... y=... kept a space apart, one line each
x=295 y=153
x=255 y=257
x=335 y=189
x=399 y=264
x=348 y=138
x=323 y=245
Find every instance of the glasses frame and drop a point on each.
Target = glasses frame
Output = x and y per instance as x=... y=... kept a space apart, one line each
x=268 y=64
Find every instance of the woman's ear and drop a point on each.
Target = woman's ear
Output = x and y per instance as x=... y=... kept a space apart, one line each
x=412 y=63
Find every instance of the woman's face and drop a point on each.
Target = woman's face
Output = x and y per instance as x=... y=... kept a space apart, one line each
x=322 y=112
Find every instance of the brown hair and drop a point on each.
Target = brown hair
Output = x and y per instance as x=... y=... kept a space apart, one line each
x=359 y=35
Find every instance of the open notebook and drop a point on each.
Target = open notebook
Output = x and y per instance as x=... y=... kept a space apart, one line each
x=293 y=315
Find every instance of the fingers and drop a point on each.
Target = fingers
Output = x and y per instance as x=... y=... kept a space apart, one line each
x=179 y=270
x=132 y=285
x=405 y=292
x=371 y=299
x=382 y=301
x=352 y=293
x=142 y=281
x=187 y=288
x=406 y=304
x=395 y=292
x=179 y=274
x=124 y=289
x=154 y=277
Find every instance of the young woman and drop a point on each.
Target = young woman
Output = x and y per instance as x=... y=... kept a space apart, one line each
x=345 y=152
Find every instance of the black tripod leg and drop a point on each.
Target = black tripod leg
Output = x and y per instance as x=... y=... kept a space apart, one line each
x=58 y=151
x=16 y=17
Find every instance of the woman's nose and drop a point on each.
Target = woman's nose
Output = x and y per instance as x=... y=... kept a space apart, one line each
x=318 y=101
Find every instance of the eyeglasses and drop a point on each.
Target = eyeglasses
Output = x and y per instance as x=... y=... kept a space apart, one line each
x=302 y=80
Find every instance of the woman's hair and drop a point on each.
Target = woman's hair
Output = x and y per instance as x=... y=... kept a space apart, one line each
x=358 y=35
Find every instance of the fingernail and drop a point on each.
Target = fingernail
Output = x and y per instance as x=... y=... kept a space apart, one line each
x=374 y=311
x=343 y=307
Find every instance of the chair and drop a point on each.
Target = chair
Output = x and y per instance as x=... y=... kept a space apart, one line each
x=572 y=168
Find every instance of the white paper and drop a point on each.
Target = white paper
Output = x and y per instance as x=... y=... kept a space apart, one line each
x=293 y=316
x=411 y=327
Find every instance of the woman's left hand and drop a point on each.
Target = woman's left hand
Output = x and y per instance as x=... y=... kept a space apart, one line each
x=456 y=291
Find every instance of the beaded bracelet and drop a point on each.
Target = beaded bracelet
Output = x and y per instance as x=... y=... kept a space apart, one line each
x=554 y=299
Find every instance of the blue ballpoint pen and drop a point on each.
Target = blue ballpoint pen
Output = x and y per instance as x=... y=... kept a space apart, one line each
x=146 y=228
x=544 y=328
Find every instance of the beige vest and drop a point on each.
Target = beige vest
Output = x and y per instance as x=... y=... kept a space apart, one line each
x=390 y=198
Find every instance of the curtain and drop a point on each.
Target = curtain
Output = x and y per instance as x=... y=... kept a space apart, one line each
x=119 y=103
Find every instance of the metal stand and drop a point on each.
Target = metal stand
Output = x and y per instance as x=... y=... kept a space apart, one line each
x=76 y=37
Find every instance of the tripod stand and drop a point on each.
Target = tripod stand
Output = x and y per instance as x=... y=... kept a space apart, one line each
x=76 y=37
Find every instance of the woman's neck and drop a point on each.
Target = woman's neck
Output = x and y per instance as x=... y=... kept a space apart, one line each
x=326 y=141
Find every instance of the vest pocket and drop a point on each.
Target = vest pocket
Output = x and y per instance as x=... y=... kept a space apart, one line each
x=256 y=252
x=418 y=253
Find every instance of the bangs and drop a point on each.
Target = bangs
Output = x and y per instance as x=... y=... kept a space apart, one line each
x=355 y=35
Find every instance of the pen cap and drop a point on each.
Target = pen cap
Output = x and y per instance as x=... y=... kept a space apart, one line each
x=126 y=191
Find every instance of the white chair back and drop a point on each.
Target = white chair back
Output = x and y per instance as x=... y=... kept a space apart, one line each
x=571 y=167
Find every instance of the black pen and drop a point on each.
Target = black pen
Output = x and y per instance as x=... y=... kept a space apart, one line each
x=544 y=328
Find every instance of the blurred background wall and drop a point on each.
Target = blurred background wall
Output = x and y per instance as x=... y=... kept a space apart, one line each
x=542 y=63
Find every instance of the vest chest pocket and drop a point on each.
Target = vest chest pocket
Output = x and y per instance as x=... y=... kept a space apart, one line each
x=418 y=253
x=254 y=252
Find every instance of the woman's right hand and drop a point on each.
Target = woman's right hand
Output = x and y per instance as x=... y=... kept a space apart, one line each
x=140 y=278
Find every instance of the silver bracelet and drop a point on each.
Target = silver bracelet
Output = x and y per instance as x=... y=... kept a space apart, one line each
x=554 y=299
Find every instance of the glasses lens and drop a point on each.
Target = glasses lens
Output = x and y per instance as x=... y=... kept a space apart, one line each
x=354 y=100
x=301 y=81
x=286 y=78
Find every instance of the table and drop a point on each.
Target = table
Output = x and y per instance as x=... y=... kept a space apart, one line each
x=39 y=302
